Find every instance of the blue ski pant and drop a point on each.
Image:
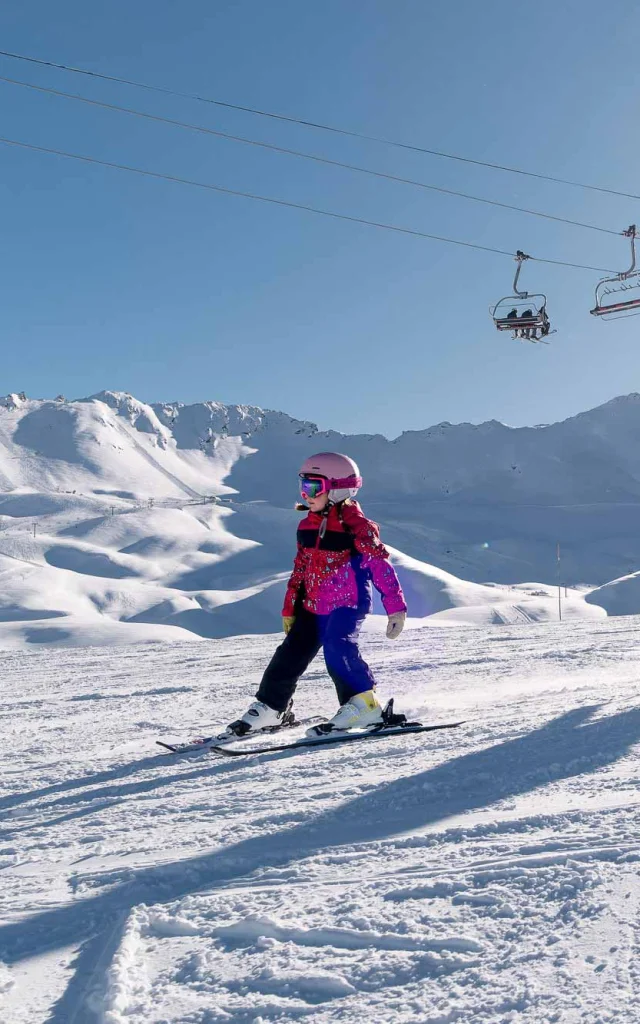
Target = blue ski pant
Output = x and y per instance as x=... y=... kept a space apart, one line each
x=337 y=635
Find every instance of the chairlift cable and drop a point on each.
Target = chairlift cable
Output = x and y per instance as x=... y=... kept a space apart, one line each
x=316 y=125
x=286 y=203
x=305 y=156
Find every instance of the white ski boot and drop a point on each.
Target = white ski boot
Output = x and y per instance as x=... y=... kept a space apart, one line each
x=361 y=711
x=259 y=717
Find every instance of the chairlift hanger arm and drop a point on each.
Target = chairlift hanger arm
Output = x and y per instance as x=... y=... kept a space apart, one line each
x=626 y=307
x=631 y=234
x=519 y=257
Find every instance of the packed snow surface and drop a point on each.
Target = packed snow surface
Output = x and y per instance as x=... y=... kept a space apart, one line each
x=484 y=875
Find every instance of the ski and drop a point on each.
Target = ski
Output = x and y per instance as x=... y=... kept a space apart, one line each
x=351 y=736
x=215 y=742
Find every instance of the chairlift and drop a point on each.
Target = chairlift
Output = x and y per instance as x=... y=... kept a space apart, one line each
x=627 y=281
x=523 y=314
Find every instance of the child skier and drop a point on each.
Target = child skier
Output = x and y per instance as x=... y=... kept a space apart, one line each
x=328 y=596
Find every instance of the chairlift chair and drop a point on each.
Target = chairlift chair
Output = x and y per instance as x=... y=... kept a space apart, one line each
x=627 y=281
x=523 y=314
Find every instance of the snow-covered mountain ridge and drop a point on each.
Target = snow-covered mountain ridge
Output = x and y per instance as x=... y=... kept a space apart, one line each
x=174 y=517
x=589 y=457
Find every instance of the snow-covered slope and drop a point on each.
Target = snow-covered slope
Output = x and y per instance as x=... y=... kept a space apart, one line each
x=122 y=521
x=435 y=597
x=481 y=876
x=619 y=597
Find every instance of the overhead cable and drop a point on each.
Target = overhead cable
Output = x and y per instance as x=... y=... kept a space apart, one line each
x=283 y=202
x=315 y=124
x=297 y=153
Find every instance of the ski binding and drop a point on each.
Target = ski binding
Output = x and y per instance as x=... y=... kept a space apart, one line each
x=237 y=732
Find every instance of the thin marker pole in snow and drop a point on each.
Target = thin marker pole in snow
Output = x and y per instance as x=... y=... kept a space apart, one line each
x=559 y=587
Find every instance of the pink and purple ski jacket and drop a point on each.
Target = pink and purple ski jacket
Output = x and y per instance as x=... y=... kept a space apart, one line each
x=335 y=569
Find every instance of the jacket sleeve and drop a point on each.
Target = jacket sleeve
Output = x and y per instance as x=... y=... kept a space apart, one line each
x=294 y=584
x=375 y=557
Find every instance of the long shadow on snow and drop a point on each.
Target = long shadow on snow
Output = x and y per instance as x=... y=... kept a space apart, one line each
x=44 y=826
x=564 y=748
x=99 y=799
x=115 y=790
x=82 y=1002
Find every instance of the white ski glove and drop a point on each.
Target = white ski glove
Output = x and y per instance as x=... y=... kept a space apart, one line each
x=395 y=625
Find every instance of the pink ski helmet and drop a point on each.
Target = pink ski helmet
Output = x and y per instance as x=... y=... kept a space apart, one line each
x=341 y=472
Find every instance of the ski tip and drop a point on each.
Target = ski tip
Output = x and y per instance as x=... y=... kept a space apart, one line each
x=166 y=746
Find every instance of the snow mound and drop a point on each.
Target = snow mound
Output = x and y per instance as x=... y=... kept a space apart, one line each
x=435 y=597
x=619 y=597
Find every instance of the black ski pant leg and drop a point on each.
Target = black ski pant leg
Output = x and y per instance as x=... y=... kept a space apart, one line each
x=291 y=659
x=345 y=664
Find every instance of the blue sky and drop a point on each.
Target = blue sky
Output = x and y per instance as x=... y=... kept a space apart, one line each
x=108 y=280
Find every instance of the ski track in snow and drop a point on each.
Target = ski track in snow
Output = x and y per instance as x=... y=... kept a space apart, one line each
x=488 y=874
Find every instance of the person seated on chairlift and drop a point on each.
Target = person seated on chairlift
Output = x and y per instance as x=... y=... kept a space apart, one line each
x=512 y=315
x=527 y=315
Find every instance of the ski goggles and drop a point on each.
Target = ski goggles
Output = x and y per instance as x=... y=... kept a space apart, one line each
x=313 y=486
